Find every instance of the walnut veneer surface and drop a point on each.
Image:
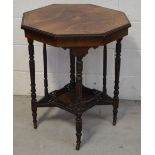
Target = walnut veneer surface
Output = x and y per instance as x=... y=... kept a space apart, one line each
x=70 y=25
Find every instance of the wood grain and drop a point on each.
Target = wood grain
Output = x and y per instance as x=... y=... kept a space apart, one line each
x=74 y=25
x=75 y=19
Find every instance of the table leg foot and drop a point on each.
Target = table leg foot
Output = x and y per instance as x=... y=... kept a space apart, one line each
x=35 y=126
x=115 y=111
x=78 y=147
x=78 y=131
x=34 y=115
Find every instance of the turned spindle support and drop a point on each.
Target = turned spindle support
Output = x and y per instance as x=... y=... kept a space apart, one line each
x=79 y=67
x=78 y=130
x=116 y=86
x=45 y=71
x=104 y=70
x=32 y=77
x=72 y=69
x=79 y=53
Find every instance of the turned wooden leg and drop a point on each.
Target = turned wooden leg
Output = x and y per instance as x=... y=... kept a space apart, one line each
x=116 y=87
x=72 y=69
x=79 y=53
x=32 y=77
x=45 y=71
x=78 y=130
x=104 y=70
x=79 y=67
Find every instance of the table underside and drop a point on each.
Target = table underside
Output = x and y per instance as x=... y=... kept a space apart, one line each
x=66 y=99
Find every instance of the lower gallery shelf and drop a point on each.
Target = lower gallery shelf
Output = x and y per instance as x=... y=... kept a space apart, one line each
x=65 y=98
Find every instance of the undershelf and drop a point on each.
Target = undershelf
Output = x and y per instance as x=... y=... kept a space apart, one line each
x=65 y=98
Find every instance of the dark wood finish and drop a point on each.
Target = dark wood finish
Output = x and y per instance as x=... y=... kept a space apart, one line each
x=72 y=69
x=77 y=27
x=73 y=41
x=66 y=99
x=81 y=20
x=104 y=70
x=78 y=130
x=116 y=87
x=79 y=51
x=79 y=67
x=32 y=77
x=74 y=25
x=45 y=71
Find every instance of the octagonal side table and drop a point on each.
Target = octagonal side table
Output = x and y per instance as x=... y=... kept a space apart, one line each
x=76 y=27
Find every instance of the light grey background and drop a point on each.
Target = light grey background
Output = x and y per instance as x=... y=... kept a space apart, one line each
x=58 y=60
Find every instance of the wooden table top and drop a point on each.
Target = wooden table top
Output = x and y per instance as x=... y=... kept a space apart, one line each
x=74 y=20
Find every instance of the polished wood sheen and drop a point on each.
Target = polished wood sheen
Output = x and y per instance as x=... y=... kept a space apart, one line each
x=75 y=19
x=70 y=25
x=77 y=27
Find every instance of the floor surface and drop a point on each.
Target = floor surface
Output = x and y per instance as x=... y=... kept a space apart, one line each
x=56 y=130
